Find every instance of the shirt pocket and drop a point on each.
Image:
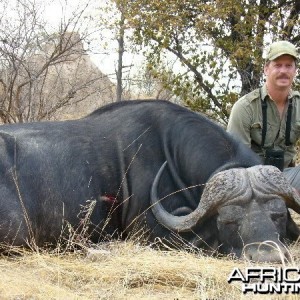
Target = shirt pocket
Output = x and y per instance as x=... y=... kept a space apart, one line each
x=295 y=132
x=256 y=132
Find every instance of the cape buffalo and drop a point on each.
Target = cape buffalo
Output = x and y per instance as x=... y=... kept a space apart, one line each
x=146 y=166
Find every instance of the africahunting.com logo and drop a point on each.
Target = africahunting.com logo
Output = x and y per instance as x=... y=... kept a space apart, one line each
x=267 y=280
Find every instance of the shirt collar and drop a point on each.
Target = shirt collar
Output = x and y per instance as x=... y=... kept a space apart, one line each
x=264 y=93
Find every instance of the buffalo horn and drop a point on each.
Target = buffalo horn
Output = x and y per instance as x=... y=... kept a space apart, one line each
x=229 y=184
x=268 y=181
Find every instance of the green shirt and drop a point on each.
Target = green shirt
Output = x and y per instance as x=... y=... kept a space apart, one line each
x=245 y=122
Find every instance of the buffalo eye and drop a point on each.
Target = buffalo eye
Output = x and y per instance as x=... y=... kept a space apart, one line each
x=227 y=221
x=230 y=213
x=230 y=216
x=277 y=216
x=277 y=210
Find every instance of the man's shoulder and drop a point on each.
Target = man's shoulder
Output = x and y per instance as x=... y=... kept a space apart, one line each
x=247 y=99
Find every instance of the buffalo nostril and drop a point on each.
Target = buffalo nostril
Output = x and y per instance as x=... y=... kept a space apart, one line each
x=268 y=251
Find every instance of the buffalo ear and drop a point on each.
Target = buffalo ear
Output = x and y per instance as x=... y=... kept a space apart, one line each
x=292 y=229
x=292 y=176
x=292 y=198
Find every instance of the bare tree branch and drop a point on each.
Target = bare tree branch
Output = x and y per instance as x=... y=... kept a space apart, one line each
x=42 y=71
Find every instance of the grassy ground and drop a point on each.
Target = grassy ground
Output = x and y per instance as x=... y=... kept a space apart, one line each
x=122 y=270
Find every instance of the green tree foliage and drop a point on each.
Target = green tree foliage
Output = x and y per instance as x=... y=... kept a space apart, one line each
x=218 y=45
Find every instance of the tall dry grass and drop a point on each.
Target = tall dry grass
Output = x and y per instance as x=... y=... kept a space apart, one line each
x=119 y=270
x=122 y=270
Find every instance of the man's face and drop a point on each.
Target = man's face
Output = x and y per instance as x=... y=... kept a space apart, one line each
x=280 y=73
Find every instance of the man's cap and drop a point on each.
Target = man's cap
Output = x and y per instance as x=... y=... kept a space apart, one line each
x=279 y=48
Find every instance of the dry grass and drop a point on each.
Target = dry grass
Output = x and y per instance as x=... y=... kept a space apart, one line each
x=121 y=270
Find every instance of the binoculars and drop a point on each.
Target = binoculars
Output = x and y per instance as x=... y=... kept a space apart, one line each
x=275 y=158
